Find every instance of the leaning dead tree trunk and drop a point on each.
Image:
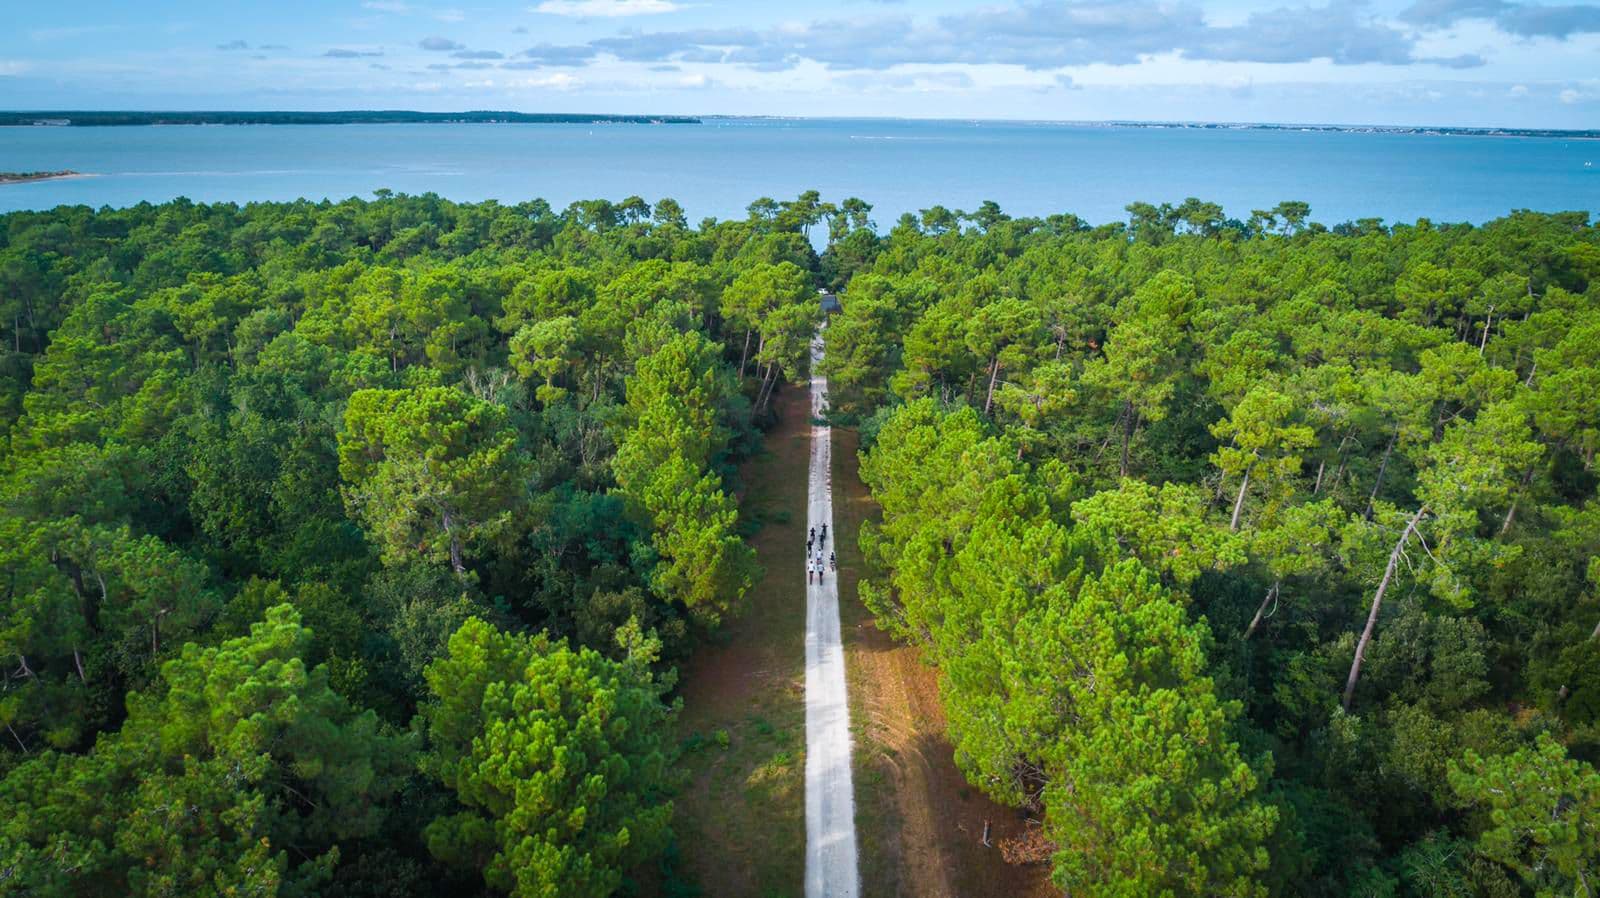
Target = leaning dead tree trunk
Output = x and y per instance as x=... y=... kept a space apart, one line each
x=1261 y=610
x=1377 y=603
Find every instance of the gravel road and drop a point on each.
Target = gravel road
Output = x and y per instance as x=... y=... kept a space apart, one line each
x=831 y=870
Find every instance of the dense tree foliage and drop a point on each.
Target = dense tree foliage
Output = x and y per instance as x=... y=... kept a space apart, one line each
x=348 y=547
x=558 y=753
x=244 y=776
x=1256 y=557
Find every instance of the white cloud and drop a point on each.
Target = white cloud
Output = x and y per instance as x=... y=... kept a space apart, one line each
x=944 y=80
x=1553 y=20
x=1570 y=96
x=1035 y=36
x=557 y=81
x=605 y=8
x=12 y=67
x=387 y=6
x=1518 y=90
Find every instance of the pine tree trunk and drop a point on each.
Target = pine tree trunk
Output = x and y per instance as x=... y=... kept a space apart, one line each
x=1339 y=471
x=768 y=382
x=456 y=563
x=744 y=355
x=92 y=614
x=1511 y=513
x=1383 y=466
x=1238 y=503
x=994 y=374
x=1377 y=604
x=1222 y=478
x=1127 y=436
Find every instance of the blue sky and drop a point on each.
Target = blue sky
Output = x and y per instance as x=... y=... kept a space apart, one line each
x=1446 y=62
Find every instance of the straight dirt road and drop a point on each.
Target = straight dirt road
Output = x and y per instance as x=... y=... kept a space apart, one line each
x=831 y=857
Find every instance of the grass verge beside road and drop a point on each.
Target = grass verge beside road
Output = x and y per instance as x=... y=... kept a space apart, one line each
x=741 y=817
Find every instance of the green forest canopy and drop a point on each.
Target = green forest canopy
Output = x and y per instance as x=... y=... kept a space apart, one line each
x=1256 y=557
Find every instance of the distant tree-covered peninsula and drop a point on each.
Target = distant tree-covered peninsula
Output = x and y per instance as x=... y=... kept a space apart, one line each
x=18 y=177
x=358 y=117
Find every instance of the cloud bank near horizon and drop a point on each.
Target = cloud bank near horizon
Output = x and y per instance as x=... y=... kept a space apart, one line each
x=1514 y=62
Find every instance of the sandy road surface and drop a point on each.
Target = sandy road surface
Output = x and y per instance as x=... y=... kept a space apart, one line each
x=831 y=859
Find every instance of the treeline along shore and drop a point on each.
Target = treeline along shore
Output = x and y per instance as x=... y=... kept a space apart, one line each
x=1424 y=130
x=18 y=177
x=81 y=118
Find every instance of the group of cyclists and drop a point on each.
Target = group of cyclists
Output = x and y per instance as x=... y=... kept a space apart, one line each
x=814 y=566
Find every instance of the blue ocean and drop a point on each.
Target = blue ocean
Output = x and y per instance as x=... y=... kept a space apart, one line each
x=718 y=167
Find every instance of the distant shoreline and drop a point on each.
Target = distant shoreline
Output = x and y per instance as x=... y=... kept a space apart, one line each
x=89 y=118
x=1422 y=130
x=102 y=118
x=1417 y=130
x=25 y=177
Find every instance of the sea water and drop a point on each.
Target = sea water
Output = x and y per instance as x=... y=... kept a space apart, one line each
x=718 y=167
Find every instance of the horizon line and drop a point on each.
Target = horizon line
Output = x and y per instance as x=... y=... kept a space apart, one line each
x=1508 y=130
